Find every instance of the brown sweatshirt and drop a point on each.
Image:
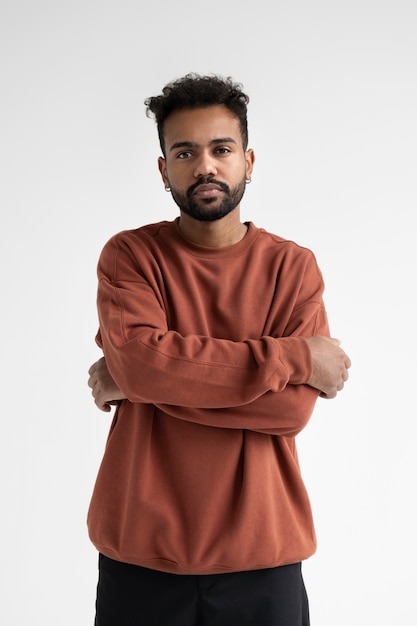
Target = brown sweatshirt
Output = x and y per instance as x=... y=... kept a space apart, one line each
x=200 y=472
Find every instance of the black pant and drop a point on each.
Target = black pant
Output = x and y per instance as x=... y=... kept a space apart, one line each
x=128 y=595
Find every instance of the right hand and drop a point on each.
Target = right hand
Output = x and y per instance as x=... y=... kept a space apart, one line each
x=104 y=390
x=330 y=365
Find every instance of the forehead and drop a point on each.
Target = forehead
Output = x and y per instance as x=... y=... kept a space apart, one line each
x=201 y=126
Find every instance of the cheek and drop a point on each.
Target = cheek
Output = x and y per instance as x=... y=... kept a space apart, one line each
x=177 y=174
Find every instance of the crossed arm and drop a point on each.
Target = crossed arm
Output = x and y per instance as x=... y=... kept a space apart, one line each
x=330 y=365
x=269 y=384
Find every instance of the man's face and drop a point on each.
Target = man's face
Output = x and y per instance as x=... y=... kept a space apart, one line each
x=205 y=164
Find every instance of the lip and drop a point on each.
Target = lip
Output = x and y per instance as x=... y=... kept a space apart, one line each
x=207 y=189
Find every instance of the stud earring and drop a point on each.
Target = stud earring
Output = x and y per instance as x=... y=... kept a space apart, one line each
x=167 y=188
x=248 y=181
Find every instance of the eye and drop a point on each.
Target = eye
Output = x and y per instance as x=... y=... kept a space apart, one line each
x=222 y=150
x=183 y=155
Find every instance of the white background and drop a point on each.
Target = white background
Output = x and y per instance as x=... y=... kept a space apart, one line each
x=333 y=123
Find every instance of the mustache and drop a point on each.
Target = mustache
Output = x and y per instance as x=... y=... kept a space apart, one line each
x=207 y=181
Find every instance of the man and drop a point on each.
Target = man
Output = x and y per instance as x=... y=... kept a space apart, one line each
x=216 y=347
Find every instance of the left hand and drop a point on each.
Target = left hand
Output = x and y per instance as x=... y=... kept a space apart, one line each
x=104 y=390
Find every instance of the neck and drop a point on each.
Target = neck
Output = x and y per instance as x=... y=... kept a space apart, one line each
x=217 y=234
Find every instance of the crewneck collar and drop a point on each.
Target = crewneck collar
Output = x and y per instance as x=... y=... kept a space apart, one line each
x=234 y=250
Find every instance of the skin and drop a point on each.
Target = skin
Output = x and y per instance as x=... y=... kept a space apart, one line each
x=200 y=145
x=206 y=166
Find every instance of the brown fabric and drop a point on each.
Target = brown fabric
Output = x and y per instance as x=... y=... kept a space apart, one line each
x=200 y=472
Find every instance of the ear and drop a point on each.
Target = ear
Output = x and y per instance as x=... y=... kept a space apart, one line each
x=249 y=160
x=163 y=171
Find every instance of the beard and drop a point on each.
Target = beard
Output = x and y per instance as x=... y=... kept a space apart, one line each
x=201 y=209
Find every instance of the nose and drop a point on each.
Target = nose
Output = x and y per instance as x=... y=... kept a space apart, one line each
x=205 y=165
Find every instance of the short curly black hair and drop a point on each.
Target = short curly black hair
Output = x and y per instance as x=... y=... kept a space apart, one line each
x=194 y=91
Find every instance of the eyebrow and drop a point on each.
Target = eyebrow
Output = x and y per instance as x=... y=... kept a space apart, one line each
x=192 y=144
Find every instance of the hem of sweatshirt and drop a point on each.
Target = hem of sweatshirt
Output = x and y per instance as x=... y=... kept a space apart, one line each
x=171 y=567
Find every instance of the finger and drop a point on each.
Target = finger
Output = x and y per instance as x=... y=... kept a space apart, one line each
x=98 y=399
x=92 y=368
x=91 y=382
x=336 y=341
x=103 y=407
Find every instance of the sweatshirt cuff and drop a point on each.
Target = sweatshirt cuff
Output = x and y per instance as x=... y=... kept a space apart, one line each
x=296 y=356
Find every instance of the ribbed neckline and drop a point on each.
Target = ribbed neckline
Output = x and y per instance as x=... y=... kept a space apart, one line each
x=234 y=250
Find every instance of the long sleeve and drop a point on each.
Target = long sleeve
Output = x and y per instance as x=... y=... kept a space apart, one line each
x=254 y=383
x=210 y=347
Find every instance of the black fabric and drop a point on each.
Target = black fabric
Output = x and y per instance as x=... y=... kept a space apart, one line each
x=128 y=595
